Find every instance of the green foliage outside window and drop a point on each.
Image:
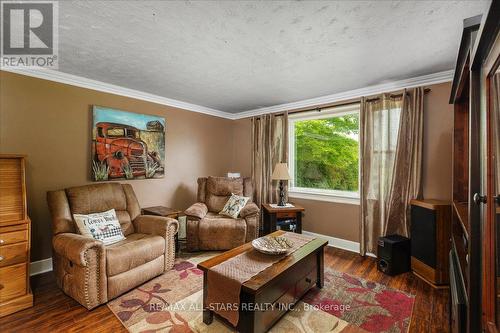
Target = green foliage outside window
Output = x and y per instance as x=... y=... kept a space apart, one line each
x=327 y=153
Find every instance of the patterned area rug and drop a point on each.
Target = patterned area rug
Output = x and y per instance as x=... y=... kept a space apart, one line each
x=172 y=302
x=372 y=306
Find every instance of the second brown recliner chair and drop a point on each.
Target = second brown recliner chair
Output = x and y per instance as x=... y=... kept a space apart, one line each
x=207 y=230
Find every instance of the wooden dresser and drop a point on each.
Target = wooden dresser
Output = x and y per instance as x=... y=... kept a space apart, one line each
x=15 y=239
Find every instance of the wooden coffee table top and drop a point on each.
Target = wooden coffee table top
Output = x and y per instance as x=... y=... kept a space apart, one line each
x=260 y=280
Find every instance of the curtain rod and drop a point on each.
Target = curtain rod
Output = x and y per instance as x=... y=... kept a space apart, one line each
x=426 y=91
x=349 y=102
x=317 y=108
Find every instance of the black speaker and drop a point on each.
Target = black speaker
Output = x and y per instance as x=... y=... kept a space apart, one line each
x=430 y=240
x=423 y=235
x=393 y=254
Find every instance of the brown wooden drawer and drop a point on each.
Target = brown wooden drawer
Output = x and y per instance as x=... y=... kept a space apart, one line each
x=286 y=282
x=22 y=225
x=13 y=254
x=12 y=281
x=13 y=237
x=284 y=215
x=304 y=284
x=279 y=307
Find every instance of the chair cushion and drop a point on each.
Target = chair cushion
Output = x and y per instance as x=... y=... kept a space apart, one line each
x=97 y=198
x=224 y=186
x=219 y=190
x=217 y=232
x=132 y=252
x=215 y=203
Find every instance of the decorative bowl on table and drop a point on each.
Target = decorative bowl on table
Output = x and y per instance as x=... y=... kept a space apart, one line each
x=272 y=244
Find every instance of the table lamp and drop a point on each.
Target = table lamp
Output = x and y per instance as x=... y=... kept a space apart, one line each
x=281 y=173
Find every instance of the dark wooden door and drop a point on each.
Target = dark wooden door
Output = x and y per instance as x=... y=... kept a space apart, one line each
x=487 y=60
x=491 y=212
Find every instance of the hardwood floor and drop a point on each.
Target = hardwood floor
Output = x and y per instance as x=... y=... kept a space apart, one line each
x=55 y=312
x=431 y=309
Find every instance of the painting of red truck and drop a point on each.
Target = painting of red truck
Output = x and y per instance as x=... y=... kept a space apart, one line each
x=127 y=145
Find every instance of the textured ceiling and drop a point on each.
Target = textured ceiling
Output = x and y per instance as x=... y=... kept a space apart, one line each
x=241 y=55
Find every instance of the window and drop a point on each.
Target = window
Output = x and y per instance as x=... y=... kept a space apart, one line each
x=324 y=154
x=385 y=122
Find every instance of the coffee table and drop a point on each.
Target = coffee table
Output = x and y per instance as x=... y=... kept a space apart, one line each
x=282 y=284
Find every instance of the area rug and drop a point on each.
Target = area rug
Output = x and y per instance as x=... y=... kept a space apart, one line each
x=371 y=306
x=172 y=302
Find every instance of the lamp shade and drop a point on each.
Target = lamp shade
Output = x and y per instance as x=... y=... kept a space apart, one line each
x=281 y=172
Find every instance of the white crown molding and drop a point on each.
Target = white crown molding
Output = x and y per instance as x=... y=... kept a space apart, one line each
x=429 y=79
x=82 y=82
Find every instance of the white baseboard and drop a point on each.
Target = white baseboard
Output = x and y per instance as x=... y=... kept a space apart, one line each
x=182 y=227
x=339 y=243
x=40 y=266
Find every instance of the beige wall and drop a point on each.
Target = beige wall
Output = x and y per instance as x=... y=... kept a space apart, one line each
x=342 y=220
x=50 y=123
x=438 y=135
x=242 y=147
x=331 y=219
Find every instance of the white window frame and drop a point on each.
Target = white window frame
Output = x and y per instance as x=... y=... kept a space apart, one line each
x=346 y=197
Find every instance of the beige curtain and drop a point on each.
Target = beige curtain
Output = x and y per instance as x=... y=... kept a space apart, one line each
x=269 y=146
x=391 y=164
x=407 y=178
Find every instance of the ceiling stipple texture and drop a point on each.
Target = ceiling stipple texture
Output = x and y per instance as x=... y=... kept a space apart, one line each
x=239 y=55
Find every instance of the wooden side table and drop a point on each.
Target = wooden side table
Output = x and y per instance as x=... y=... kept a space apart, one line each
x=165 y=212
x=274 y=215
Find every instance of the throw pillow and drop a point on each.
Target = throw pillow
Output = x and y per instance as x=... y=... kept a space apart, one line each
x=101 y=226
x=234 y=205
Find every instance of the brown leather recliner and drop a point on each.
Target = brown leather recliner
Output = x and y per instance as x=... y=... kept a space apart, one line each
x=206 y=229
x=93 y=273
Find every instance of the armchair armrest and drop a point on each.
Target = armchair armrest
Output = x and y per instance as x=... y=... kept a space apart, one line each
x=249 y=210
x=156 y=225
x=74 y=247
x=197 y=210
x=80 y=268
x=251 y=214
x=165 y=227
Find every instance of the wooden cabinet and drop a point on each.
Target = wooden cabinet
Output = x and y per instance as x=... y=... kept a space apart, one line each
x=476 y=177
x=282 y=218
x=15 y=226
x=465 y=228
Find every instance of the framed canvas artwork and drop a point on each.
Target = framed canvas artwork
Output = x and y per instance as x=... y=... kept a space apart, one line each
x=127 y=145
